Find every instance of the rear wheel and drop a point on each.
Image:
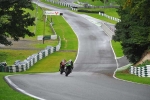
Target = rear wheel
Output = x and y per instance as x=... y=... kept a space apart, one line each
x=61 y=70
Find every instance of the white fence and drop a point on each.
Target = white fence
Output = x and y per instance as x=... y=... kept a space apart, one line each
x=109 y=17
x=140 y=71
x=59 y=3
x=62 y=4
x=31 y=60
x=20 y=66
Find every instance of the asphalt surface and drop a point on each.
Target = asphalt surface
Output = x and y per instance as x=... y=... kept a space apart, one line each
x=92 y=77
x=80 y=86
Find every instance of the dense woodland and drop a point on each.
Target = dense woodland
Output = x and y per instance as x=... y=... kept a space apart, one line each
x=134 y=29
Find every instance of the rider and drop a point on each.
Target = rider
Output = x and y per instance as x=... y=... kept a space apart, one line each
x=70 y=63
x=62 y=64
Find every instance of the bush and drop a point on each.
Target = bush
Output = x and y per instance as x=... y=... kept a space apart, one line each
x=147 y=62
x=88 y=11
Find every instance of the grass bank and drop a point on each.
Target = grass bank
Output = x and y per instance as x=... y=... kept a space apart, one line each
x=11 y=55
x=98 y=2
x=67 y=51
x=132 y=78
x=48 y=64
x=52 y=4
x=7 y=93
x=117 y=48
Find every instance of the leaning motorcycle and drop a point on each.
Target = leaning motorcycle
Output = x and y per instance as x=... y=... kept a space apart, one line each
x=68 y=69
x=62 y=69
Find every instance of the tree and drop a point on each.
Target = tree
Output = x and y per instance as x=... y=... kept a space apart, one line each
x=134 y=29
x=14 y=20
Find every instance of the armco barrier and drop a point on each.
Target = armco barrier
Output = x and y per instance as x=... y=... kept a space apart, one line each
x=31 y=60
x=140 y=71
x=20 y=66
x=107 y=30
x=62 y=4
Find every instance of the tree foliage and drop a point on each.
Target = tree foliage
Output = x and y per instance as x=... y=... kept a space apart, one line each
x=14 y=21
x=104 y=1
x=134 y=29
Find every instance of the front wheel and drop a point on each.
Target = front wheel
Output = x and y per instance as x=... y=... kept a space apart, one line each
x=67 y=71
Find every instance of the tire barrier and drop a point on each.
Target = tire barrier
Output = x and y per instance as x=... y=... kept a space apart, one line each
x=62 y=4
x=20 y=66
x=140 y=71
x=3 y=66
x=59 y=3
x=109 y=17
x=47 y=37
x=74 y=9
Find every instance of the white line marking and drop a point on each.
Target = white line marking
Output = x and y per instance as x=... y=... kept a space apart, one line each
x=19 y=89
x=77 y=38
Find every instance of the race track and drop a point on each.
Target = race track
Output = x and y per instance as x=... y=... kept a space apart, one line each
x=92 y=77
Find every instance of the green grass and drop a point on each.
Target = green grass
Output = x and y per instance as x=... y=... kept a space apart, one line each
x=117 y=48
x=7 y=93
x=51 y=63
x=69 y=39
x=10 y=56
x=52 y=4
x=38 y=28
x=46 y=43
x=98 y=2
x=147 y=62
x=70 y=44
x=101 y=18
x=48 y=64
x=40 y=23
x=111 y=12
x=133 y=78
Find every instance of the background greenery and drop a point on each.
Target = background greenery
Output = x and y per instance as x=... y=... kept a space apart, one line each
x=51 y=63
x=48 y=64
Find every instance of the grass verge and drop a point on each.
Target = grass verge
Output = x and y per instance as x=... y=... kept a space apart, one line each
x=52 y=4
x=7 y=93
x=132 y=78
x=10 y=56
x=51 y=63
x=117 y=48
x=48 y=64
x=68 y=49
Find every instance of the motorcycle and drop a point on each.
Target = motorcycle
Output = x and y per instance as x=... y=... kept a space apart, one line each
x=68 y=69
x=62 y=69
